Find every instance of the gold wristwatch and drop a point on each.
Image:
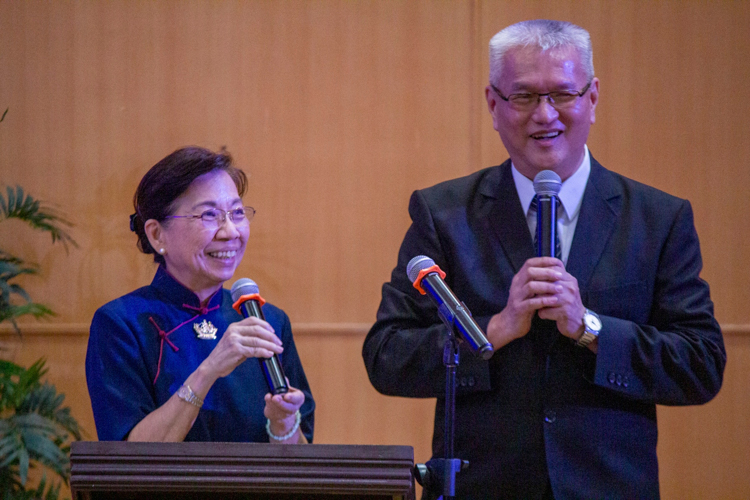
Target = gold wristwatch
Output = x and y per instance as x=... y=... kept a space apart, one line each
x=592 y=325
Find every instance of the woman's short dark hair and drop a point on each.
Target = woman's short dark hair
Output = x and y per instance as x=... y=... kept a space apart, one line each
x=169 y=179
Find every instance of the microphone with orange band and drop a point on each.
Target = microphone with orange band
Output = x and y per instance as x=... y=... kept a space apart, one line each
x=247 y=302
x=427 y=277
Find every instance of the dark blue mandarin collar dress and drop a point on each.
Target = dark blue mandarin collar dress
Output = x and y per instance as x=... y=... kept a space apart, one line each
x=144 y=345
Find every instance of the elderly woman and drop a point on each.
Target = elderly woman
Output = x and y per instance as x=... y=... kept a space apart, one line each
x=169 y=361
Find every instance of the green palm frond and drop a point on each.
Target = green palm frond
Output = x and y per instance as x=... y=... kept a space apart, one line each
x=40 y=442
x=53 y=493
x=35 y=428
x=9 y=485
x=47 y=402
x=11 y=266
x=18 y=205
x=6 y=257
x=17 y=382
x=13 y=490
x=11 y=312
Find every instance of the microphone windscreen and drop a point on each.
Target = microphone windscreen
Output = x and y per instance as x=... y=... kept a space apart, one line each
x=417 y=265
x=547 y=183
x=243 y=286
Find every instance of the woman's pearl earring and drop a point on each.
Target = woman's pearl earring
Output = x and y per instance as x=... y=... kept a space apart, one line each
x=161 y=251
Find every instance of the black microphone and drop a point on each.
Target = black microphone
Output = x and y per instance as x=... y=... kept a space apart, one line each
x=427 y=277
x=247 y=302
x=546 y=186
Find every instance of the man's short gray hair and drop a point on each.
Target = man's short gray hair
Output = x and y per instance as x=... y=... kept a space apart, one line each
x=545 y=35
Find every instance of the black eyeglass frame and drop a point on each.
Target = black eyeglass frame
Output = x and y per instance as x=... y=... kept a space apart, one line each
x=539 y=96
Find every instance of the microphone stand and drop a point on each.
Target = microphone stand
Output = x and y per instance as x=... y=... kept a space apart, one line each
x=438 y=475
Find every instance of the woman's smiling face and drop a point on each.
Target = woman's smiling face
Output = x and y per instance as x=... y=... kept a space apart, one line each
x=199 y=255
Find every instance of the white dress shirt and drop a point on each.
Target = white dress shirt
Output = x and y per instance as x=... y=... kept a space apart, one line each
x=571 y=196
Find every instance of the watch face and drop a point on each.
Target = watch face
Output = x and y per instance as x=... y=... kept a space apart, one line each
x=592 y=322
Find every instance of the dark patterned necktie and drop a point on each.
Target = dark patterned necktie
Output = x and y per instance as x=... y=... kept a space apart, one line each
x=558 y=246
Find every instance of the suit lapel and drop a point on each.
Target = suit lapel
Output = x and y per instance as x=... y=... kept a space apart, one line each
x=505 y=219
x=600 y=209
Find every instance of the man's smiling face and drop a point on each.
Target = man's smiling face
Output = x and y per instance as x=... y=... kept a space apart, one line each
x=543 y=138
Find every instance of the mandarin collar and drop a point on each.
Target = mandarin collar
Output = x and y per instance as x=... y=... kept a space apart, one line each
x=174 y=292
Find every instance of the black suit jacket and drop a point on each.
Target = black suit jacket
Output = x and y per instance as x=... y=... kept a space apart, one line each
x=542 y=408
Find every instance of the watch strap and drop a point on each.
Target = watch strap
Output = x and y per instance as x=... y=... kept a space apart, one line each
x=585 y=339
x=186 y=394
x=589 y=333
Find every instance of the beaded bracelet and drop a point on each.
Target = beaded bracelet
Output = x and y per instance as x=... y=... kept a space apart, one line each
x=289 y=434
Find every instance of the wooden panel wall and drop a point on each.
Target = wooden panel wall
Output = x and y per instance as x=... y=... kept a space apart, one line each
x=338 y=110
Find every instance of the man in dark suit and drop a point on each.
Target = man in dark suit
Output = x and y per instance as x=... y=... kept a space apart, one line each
x=586 y=345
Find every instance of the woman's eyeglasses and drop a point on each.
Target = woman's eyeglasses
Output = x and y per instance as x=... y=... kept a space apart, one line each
x=215 y=217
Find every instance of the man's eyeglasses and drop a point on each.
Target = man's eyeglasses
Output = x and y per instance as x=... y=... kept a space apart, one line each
x=527 y=101
x=215 y=217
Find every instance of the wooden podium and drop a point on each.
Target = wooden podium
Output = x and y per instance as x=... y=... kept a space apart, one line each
x=171 y=471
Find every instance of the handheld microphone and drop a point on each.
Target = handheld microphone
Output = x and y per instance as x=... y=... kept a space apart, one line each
x=427 y=277
x=546 y=186
x=247 y=302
